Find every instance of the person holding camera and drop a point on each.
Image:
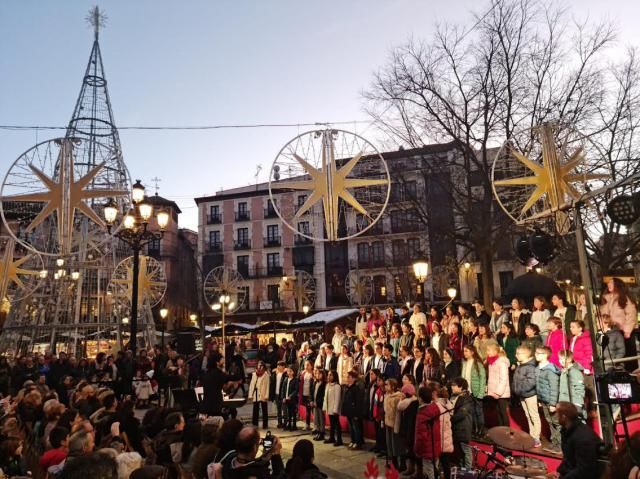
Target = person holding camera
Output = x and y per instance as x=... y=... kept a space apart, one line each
x=245 y=464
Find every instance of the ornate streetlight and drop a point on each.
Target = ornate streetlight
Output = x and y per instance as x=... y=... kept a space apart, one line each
x=421 y=271
x=164 y=312
x=135 y=234
x=223 y=305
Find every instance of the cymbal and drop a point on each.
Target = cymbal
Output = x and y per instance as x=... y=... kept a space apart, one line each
x=526 y=471
x=510 y=438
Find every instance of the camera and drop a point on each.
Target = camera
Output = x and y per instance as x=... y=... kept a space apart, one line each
x=618 y=387
x=267 y=442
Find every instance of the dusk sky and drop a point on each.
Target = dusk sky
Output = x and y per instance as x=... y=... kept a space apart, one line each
x=216 y=62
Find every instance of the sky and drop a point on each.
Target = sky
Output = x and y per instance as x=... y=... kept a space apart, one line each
x=212 y=62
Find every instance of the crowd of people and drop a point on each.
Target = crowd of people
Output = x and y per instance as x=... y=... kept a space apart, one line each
x=425 y=386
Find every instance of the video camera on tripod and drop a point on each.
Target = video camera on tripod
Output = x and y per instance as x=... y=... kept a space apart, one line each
x=617 y=386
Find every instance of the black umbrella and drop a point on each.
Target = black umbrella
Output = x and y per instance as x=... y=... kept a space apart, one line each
x=530 y=285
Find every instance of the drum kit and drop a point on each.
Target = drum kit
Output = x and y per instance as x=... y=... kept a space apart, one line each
x=506 y=440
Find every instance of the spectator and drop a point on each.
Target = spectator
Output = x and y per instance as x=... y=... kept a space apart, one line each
x=208 y=449
x=58 y=438
x=580 y=445
x=244 y=464
x=301 y=465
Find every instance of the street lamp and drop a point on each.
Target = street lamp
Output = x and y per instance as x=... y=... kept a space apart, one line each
x=164 y=312
x=223 y=305
x=305 y=309
x=421 y=271
x=135 y=234
x=452 y=292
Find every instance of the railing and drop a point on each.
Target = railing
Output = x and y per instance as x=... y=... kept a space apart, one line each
x=274 y=270
x=372 y=263
x=270 y=213
x=302 y=240
x=242 y=244
x=214 y=219
x=214 y=247
x=243 y=216
x=271 y=241
x=407 y=227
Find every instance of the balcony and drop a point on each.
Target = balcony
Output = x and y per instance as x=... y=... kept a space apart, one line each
x=272 y=241
x=270 y=213
x=302 y=241
x=376 y=229
x=214 y=247
x=242 y=244
x=405 y=227
x=242 y=216
x=269 y=271
x=214 y=219
x=371 y=263
x=274 y=271
x=243 y=269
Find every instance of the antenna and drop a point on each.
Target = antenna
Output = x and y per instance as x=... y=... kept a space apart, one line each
x=258 y=170
x=156 y=180
x=96 y=19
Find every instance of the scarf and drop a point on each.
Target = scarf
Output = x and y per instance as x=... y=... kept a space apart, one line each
x=492 y=359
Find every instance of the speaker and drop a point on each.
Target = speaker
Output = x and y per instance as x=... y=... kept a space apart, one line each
x=186 y=344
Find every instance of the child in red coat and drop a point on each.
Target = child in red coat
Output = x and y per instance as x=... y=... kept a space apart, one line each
x=427 y=445
x=580 y=346
x=556 y=340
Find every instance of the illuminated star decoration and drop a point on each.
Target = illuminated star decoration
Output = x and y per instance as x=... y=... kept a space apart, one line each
x=10 y=270
x=149 y=286
x=552 y=179
x=65 y=195
x=329 y=185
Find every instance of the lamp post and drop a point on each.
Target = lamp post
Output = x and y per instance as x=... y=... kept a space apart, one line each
x=135 y=234
x=421 y=271
x=223 y=305
x=164 y=312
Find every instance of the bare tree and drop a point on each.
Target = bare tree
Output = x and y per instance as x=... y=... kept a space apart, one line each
x=521 y=64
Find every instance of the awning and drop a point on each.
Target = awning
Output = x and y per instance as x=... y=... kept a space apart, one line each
x=326 y=317
x=271 y=326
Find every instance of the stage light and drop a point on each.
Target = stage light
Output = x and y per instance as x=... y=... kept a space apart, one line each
x=542 y=246
x=624 y=209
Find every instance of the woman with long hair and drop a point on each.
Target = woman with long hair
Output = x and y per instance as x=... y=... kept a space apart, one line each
x=520 y=317
x=474 y=372
x=422 y=337
x=375 y=321
x=621 y=307
x=301 y=465
x=439 y=339
x=540 y=315
x=509 y=342
x=432 y=371
x=455 y=340
x=483 y=340
x=317 y=403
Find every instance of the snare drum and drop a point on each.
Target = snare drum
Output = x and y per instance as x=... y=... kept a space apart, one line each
x=464 y=473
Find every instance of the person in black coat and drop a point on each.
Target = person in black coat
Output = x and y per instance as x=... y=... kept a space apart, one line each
x=352 y=409
x=580 y=445
x=289 y=395
x=319 y=385
x=451 y=367
x=406 y=361
x=212 y=384
x=461 y=422
x=390 y=368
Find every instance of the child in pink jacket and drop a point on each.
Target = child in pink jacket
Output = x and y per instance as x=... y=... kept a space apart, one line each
x=556 y=340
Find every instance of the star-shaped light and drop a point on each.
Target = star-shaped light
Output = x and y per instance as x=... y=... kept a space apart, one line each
x=65 y=195
x=552 y=180
x=148 y=284
x=329 y=184
x=11 y=270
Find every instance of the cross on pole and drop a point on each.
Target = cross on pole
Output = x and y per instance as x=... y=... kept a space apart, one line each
x=156 y=180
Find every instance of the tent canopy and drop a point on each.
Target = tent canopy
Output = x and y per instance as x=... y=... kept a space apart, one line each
x=326 y=317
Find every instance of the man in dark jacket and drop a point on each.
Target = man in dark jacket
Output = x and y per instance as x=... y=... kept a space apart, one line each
x=212 y=384
x=461 y=422
x=524 y=386
x=353 y=408
x=245 y=465
x=169 y=445
x=580 y=445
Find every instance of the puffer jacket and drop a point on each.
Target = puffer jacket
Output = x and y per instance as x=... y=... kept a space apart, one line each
x=332 y=396
x=548 y=384
x=446 y=431
x=391 y=407
x=427 y=443
x=462 y=418
x=557 y=341
x=572 y=385
x=582 y=350
x=498 y=378
x=478 y=383
x=524 y=379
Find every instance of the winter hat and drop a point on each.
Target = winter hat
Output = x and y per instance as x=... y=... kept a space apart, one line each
x=408 y=389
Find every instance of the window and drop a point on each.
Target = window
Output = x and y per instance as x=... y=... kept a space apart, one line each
x=377 y=253
x=363 y=254
x=243 y=298
x=153 y=248
x=506 y=277
x=273 y=294
x=380 y=289
x=242 y=263
x=214 y=210
x=399 y=281
x=301 y=200
x=303 y=227
x=399 y=252
x=214 y=238
x=272 y=233
x=243 y=235
x=410 y=190
x=242 y=208
x=413 y=248
x=397 y=220
x=273 y=260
